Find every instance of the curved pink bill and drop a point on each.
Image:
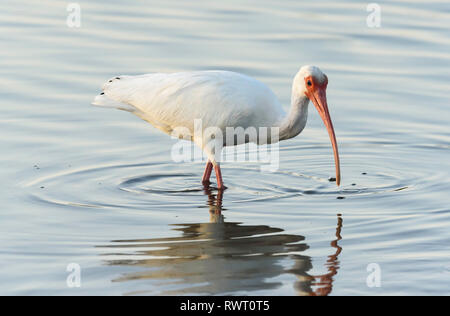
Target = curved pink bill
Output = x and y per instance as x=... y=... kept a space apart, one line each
x=319 y=98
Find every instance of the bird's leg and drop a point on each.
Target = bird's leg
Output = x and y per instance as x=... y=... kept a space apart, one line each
x=207 y=173
x=220 y=185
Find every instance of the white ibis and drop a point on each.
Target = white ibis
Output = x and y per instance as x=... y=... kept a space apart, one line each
x=220 y=99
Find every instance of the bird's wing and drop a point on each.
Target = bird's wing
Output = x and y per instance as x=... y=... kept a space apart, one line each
x=219 y=98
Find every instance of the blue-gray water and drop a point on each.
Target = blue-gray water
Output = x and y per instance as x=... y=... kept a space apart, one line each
x=97 y=187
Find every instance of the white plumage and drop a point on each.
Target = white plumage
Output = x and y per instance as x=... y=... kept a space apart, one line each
x=220 y=99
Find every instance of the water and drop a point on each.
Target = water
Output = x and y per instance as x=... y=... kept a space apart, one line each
x=97 y=187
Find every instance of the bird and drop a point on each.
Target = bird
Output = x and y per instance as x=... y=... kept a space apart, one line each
x=221 y=99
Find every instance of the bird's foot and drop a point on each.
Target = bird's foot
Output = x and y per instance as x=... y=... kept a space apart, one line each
x=207 y=185
x=221 y=187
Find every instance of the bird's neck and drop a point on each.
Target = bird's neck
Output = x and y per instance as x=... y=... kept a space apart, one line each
x=295 y=120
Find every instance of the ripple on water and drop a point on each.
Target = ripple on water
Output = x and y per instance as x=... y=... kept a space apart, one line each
x=137 y=185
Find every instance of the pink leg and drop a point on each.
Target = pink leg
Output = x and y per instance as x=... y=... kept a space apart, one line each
x=207 y=173
x=220 y=185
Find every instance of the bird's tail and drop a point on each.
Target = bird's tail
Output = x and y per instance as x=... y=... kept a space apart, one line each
x=102 y=99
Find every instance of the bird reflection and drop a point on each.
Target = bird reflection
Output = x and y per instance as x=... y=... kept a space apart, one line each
x=221 y=258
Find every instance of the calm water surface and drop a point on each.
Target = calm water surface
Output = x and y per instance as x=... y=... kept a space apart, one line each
x=97 y=187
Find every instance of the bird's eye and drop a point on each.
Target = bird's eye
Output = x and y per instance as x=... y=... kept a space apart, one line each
x=309 y=83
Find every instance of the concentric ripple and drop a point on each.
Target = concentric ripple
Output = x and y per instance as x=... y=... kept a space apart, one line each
x=165 y=183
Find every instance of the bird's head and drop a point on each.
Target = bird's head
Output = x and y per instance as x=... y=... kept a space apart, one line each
x=312 y=82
